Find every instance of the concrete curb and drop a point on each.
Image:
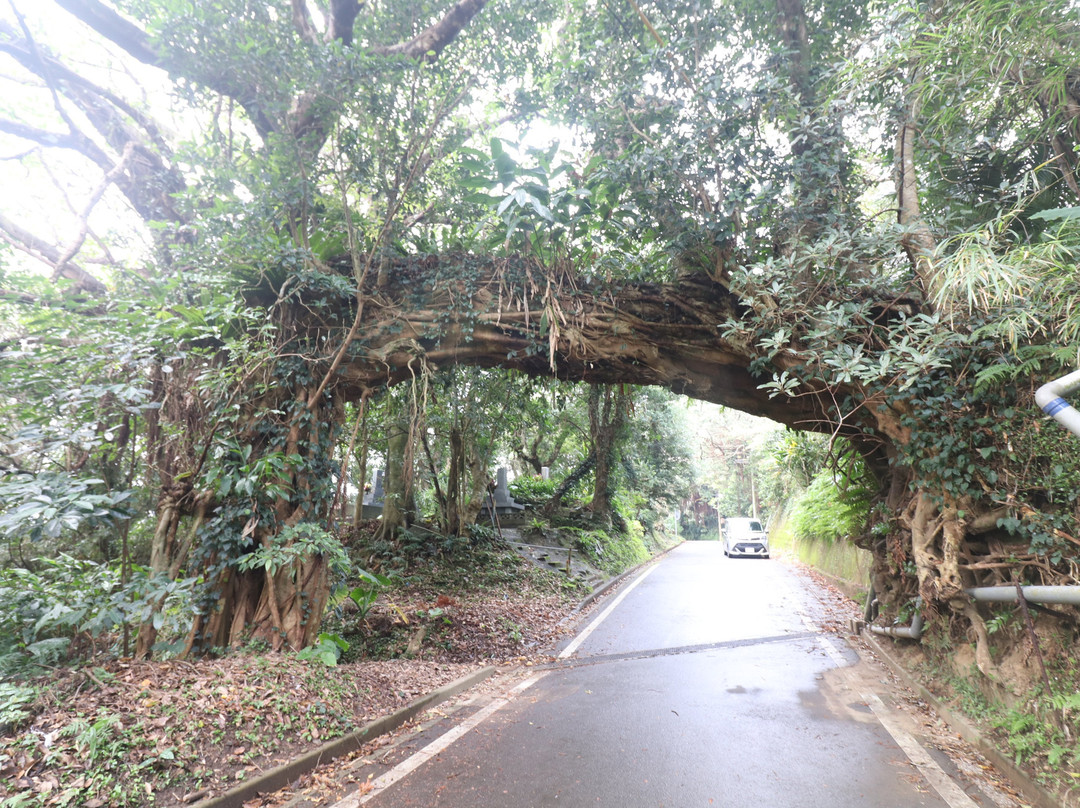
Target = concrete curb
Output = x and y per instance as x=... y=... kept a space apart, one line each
x=607 y=586
x=280 y=776
x=1032 y=791
x=849 y=588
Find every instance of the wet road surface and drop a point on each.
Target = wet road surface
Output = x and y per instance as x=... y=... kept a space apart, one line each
x=705 y=681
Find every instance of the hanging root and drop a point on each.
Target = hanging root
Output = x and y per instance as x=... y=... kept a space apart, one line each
x=938 y=567
x=983 y=660
x=923 y=531
x=952 y=531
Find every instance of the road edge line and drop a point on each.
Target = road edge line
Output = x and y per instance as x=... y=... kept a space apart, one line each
x=443 y=742
x=575 y=643
x=917 y=754
x=1034 y=793
x=609 y=584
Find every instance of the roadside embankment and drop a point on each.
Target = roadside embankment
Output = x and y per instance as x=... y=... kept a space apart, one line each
x=846 y=566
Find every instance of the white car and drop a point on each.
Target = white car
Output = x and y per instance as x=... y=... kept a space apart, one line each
x=745 y=537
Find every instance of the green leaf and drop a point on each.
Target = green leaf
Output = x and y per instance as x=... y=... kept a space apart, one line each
x=1057 y=213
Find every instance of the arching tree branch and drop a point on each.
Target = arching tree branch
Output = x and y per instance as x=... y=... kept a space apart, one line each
x=118 y=30
x=47 y=252
x=430 y=43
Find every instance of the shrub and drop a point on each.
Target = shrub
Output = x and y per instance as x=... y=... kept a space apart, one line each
x=612 y=552
x=532 y=490
x=825 y=512
x=69 y=607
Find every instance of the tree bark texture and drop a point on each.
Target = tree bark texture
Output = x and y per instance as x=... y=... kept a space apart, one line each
x=398 y=507
x=509 y=314
x=607 y=414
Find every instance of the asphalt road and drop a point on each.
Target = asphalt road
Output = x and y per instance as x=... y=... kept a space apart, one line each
x=708 y=683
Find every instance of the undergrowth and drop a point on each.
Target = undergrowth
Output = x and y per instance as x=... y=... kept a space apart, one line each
x=1040 y=732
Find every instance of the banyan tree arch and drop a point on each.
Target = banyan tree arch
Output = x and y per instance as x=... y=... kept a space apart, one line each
x=692 y=335
x=509 y=312
x=704 y=333
x=516 y=314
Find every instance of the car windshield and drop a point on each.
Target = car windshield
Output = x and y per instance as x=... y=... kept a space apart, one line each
x=744 y=526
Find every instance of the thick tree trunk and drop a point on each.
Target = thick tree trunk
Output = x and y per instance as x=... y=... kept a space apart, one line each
x=454 y=474
x=289 y=481
x=290 y=606
x=175 y=458
x=607 y=414
x=479 y=476
x=398 y=507
x=168 y=517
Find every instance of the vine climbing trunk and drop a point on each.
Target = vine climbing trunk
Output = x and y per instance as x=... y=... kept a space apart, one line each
x=269 y=552
x=477 y=491
x=175 y=456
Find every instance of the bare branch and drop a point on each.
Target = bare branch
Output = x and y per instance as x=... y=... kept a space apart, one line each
x=47 y=252
x=42 y=68
x=84 y=218
x=138 y=44
x=149 y=181
x=75 y=141
x=141 y=119
x=430 y=43
x=20 y=156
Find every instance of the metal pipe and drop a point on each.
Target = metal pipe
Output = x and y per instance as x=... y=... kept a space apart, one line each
x=1050 y=397
x=1065 y=595
x=1033 y=594
x=912 y=632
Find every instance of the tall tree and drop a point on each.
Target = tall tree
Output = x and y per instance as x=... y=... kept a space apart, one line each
x=321 y=126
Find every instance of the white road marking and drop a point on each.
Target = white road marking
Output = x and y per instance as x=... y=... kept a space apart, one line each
x=441 y=743
x=421 y=757
x=580 y=638
x=944 y=785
